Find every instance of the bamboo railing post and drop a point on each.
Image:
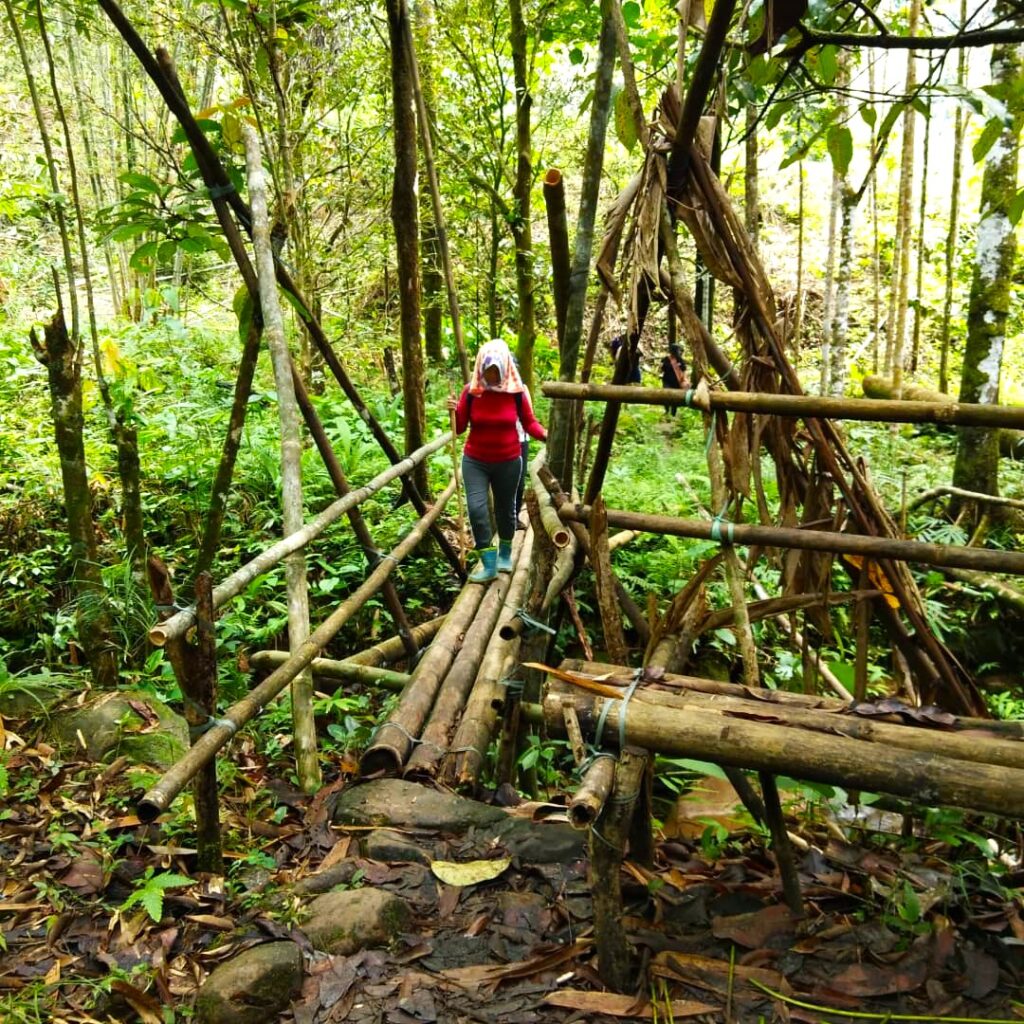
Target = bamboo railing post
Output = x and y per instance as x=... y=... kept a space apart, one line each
x=558 y=236
x=179 y=623
x=303 y=725
x=781 y=846
x=355 y=516
x=608 y=837
x=589 y=799
x=159 y=797
x=600 y=559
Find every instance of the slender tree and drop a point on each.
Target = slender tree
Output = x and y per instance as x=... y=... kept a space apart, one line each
x=977 y=457
x=405 y=218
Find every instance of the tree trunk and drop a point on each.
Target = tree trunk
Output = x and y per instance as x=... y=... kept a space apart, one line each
x=561 y=441
x=404 y=217
x=915 y=345
x=977 y=458
x=830 y=269
x=433 y=312
x=903 y=233
x=521 y=231
x=959 y=123
x=839 y=371
x=751 y=209
x=291 y=465
x=64 y=373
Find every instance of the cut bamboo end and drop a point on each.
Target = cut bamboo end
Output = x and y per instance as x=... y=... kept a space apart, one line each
x=553 y=178
x=158 y=636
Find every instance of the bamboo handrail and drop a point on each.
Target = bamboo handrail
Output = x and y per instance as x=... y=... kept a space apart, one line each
x=339 y=671
x=880 y=410
x=810 y=540
x=180 y=623
x=159 y=797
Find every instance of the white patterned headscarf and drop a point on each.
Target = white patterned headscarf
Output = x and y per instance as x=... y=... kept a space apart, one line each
x=496 y=353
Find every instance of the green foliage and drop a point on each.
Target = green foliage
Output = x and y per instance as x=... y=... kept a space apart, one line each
x=150 y=889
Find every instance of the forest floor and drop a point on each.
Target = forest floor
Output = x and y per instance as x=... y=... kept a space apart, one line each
x=896 y=927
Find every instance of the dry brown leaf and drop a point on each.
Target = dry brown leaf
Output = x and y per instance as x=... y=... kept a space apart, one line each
x=218 y=923
x=337 y=853
x=615 y=1005
x=141 y=1002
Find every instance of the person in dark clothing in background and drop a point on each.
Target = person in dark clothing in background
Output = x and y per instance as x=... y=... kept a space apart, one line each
x=674 y=374
x=634 y=371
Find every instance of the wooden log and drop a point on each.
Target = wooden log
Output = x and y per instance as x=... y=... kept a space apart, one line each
x=1012 y=596
x=395 y=737
x=781 y=847
x=810 y=540
x=425 y=759
x=179 y=624
x=959 y=492
x=596 y=785
x=607 y=846
x=925 y=778
x=941 y=409
x=478 y=720
x=561 y=574
x=158 y=798
x=621 y=539
x=1003 y=417
x=331 y=671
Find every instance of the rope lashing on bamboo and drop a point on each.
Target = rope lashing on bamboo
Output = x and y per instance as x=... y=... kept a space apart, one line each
x=624 y=702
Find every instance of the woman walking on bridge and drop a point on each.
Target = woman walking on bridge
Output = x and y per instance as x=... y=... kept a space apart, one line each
x=491 y=404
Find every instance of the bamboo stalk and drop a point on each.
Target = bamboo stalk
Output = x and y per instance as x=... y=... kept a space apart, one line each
x=394 y=738
x=621 y=539
x=558 y=235
x=337 y=671
x=478 y=720
x=451 y=699
x=816 y=406
x=812 y=540
x=958 y=492
x=180 y=623
x=600 y=559
x=159 y=797
x=781 y=847
x=387 y=651
x=556 y=530
x=593 y=791
x=926 y=778
x=303 y=724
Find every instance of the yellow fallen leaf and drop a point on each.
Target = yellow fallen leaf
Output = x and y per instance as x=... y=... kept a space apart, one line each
x=470 y=872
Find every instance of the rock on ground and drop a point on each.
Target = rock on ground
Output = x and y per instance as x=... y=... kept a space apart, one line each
x=253 y=987
x=397 y=802
x=344 y=922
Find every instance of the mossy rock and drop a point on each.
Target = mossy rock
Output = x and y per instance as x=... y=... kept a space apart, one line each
x=110 y=726
x=253 y=987
x=33 y=695
x=344 y=922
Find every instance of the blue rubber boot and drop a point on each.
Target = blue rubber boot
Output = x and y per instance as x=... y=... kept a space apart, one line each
x=504 y=556
x=486 y=568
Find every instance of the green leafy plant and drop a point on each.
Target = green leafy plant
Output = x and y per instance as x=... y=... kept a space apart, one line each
x=150 y=889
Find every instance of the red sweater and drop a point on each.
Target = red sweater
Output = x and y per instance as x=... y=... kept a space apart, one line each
x=492 y=425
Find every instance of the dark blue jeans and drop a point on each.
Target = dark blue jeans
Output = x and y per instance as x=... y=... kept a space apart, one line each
x=500 y=479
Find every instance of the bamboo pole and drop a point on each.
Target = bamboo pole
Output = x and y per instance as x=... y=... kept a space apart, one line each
x=425 y=760
x=816 y=406
x=387 y=651
x=469 y=746
x=180 y=623
x=159 y=797
x=303 y=725
x=594 y=789
x=958 y=492
x=811 y=540
x=925 y=778
x=395 y=738
x=336 y=671
x=557 y=532
x=840 y=721
x=629 y=606
x=558 y=235
x=781 y=847
x=611 y=613
x=621 y=539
